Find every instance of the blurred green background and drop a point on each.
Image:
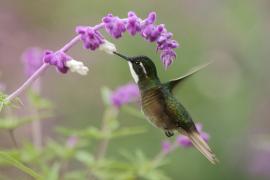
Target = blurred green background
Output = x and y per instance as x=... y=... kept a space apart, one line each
x=231 y=97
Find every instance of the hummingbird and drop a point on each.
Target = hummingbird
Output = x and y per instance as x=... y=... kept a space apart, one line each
x=160 y=106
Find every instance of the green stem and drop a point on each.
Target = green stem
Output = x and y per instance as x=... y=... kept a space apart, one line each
x=19 y=165
x=161 y=155
x=103 y=145
x=13 y=139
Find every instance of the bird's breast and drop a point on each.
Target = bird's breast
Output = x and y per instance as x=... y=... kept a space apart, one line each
x=153 y=106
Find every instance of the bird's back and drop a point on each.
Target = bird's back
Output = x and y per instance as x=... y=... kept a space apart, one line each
x=177 y=111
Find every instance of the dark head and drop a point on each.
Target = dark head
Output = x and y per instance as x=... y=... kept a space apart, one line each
x=141 y=67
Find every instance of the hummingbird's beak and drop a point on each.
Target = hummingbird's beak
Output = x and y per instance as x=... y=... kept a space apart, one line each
x=122 y=56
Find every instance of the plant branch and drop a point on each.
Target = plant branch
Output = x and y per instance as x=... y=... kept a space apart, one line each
x=40 y=71
x=13 y=139
x=37 y=132
x=161 y=155
x=28 y=82
x=103 y=144
x=109 y=116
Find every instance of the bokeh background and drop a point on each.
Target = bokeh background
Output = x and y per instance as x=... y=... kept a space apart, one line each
x=231 y=97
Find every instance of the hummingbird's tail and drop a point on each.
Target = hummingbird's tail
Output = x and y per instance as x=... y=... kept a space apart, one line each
x=202 y=146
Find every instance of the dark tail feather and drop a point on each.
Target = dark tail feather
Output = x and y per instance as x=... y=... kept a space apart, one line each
x=202 y=146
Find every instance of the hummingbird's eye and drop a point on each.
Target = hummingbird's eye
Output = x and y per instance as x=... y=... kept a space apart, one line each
x=137 y=62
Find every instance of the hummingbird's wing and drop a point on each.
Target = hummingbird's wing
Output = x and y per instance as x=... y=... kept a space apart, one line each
x=173 y=83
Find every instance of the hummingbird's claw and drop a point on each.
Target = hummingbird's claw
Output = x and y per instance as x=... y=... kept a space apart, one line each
x=169 y=133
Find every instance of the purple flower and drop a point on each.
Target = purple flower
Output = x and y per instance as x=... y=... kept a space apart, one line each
x=114 y=25
x=57 y=59
x=151 y=18
x=32 y=59
x=133 y=23
x=162 y=37
x=166 y=44
x=91 y=38
x=166 y=147
x=152 y=32
x=72 y=141
x=125 y=94
x=167 y=56
x=149 y=31
x=184 y=140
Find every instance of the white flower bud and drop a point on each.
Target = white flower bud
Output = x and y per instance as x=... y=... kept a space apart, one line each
x=108 y=47
x=77 y=66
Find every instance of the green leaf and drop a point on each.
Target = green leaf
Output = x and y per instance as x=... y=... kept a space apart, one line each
x=55 y=149
x=91 y=132
x=110 y=118
x=127 y=131
x=142 y=167
x=29 y=153
x=85 y=157
x=13 y=153
x=14 y=103
x=11 y=123
x=154 y=174
x=39 y=102
x=53 y=173
x=3 y=101
x=116 y=165
x=5 y=156
x=75 y=175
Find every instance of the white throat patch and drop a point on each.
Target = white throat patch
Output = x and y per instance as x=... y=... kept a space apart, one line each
x=133 y=73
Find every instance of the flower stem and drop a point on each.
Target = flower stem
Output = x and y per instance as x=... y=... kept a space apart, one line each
x=71 y=43
x=37 y=133
x=99 y=26
x=36 y=124
x=109 y=115
x=103 y=144
x=13 y=139
x=28 y=82
x=36 y=130
x=161 y=155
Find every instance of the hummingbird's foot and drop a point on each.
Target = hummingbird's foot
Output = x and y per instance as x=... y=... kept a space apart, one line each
x=169 y=133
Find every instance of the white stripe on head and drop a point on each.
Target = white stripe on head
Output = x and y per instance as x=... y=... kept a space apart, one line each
x=133 y=73
x=144 y=70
